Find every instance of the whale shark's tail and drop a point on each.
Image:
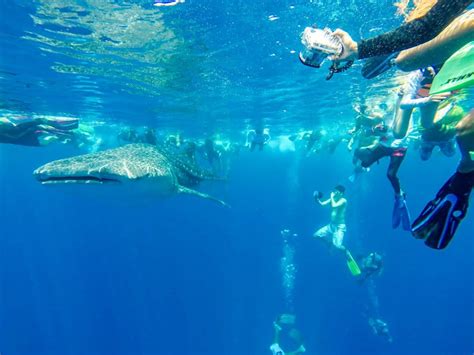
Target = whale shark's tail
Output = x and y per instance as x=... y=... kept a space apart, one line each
x=185 y=190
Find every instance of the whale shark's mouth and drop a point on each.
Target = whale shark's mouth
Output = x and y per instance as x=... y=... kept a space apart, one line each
x=45 y=180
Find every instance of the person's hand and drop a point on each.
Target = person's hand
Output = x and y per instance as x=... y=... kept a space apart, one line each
x=332 y=195
x=440 y=97
x=351 y=51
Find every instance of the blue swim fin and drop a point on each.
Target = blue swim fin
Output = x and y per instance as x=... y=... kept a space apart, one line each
x=375 y=66
x=405 y=215
x=400 y=214
x=441 y=217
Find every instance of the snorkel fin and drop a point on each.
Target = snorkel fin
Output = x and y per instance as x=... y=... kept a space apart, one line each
x=401 y=214
x=352 y=264
x=441 y=217
x=376 y=66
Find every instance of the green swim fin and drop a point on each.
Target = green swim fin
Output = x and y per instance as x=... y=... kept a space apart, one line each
x=457 y=72
x=352 y=264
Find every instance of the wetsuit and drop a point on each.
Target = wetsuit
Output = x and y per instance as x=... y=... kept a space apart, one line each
x=414 y=32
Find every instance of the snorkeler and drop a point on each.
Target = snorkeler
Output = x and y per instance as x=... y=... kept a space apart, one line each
x=258 y=137
x=312 y=138
x=286 y=336
x=370 y=266
x=189 y=150
x=128 y=135
x=85 y=137
x=365 y=133
x=36 y=131
x=380 y=328
x=149 y=136
x=211 y=154
x=173 y=142
x=439 y=220
x=333 y=233
x=441 y=217
x=396 y=149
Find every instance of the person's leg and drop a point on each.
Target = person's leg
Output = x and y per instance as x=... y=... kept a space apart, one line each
x=392 y=171
x=324 y=233
x=369 y=155
x=338 y=237
x=401 y=123
x=428 y=114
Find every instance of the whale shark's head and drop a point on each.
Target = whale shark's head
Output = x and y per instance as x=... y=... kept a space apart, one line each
x=117 y=166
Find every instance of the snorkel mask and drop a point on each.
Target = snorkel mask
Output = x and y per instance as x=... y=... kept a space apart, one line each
x=318 y=45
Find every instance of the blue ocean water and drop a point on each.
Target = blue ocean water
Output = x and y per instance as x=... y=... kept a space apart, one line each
x=87 y=273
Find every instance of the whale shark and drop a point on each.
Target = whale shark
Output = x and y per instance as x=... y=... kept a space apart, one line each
x=134 y=166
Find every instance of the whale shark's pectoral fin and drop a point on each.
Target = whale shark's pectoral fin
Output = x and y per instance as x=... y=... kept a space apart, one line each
x=185 y=190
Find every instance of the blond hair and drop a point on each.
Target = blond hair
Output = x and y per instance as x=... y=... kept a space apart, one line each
x=418 y=9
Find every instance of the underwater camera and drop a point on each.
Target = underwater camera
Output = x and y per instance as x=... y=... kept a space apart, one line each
x=320 y=44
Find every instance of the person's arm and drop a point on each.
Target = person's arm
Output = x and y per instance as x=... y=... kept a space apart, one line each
x=410 y=90
x=414 y=32
x=339 y=203
x=350 y=144
x=407 y=35
x=324 y=203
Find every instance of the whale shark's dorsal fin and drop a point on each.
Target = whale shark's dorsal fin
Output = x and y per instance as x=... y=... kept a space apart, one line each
x=185 y=190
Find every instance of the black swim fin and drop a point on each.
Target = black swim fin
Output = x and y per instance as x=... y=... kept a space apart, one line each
x=375 y=66
x=440 y=218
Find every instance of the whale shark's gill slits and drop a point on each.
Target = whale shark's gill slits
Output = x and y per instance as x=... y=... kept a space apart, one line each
x=182 y=162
